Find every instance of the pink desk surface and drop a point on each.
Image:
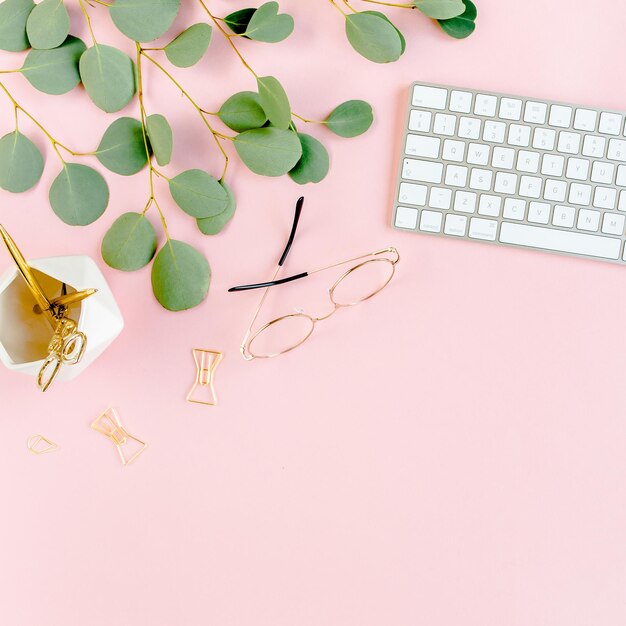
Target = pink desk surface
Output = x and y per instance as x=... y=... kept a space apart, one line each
x=452 y=453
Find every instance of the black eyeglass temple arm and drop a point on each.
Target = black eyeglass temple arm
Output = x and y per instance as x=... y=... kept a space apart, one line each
x=294 y=226
x=271 y=283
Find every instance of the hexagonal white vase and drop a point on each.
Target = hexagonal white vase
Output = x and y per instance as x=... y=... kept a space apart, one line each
x=25 y=333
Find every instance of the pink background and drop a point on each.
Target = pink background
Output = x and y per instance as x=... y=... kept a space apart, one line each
x=450 y=453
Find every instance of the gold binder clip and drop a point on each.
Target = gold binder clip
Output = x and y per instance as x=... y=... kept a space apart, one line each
x=109 y=425
x=203 y=391
x=38 y=444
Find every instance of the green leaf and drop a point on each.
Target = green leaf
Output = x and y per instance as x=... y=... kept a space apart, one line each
x=267 y=25
x=122 y=149
x=144 y=20
x=79 y=195
x=269 y=151
x=239 y=20
x=350 y=118
x=48 y=24
x=463 y=25
x=160 y=135
x=54 y=71
x=373 y=37
x=243 y=111
x=402 y=39
x=213 y=225
x=199 y=194
x=189 y=47
x=274 y=101
x=130 y=243
x=180 y=276
x=440 y=9
x=21 y=163
x=314 y=162
x=109 y=77
x=13 y=17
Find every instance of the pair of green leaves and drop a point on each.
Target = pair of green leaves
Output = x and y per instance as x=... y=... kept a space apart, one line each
x=262 y=24
x=457 y=18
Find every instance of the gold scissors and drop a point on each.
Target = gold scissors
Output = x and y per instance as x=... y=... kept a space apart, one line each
x=68 y=344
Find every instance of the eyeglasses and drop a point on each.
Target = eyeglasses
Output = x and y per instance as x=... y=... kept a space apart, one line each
x=368 y=276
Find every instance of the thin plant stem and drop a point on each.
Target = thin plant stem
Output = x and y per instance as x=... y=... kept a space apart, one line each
x=307 y=121
x=391 y=4
x=337 y=7
x=83 y=8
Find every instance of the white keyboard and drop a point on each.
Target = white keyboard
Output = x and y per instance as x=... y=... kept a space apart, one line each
x=515 y=171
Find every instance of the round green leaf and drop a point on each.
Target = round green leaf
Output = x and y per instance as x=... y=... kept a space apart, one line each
x=180 y=276
x=122 y=148
x=373 y=37
x=239 y=20
x=440 y=9
x=130 y=243
x=160 y=135
x=109 y=77
x=274 y=101
x=198 y=193
x=267 y=25
x=213 y=225
x=350 y=118
x=144 y=20
x=269 y=151
x=402 y=39
x=48 y=24
x=13 y=17
x=54 y=71
x=21 y=163
x=189 y=47
x=463 y=25
x=243 y=111
x=79 y=195
x=314 y=162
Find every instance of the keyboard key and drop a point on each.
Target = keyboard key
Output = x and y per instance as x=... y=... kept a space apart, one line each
x=422 y=146
x=478 y=154
x=528 y=161
x=514 y=209
x=456 y=176
x=593 y=146
x=621 y=176
x=560 y=116
x=555 y=190
x=578 y=169
x=505 y=183
x=621 y=205
x=494 y=131
x=605 y=198
x=610 y=123
x=485 y=105
x=539 y=212
x=560 y=240
x=481 y=179
x=519 y=135
x=569 y=142
x=406 y=217
x=429 y=97
x=613 y=224
x=430 y=221
x=424 y=171
x=455 y=225
x=503 y=158
x=603 y=172
x=444 y=124
x=552 y=165
x=510 y=109
x=440 y=198
x=544 y=138
x=563 y=216
x=420 y=121
x=579 y=194
x=617 y=150
x=412 y=194
x=530 y=186
x=483 y=229
x=588 y=220
x=535 y=112
x=490 y=205
x=453 y=150
x=469 y=128
x=465 y=201
x=585 y=119
x=460 y=102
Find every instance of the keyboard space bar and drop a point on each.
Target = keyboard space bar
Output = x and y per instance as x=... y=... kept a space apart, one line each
x=560 y=240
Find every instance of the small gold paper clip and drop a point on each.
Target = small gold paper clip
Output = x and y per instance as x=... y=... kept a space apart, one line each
x=109 y=425
x=203 y=391
x=38 y=444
